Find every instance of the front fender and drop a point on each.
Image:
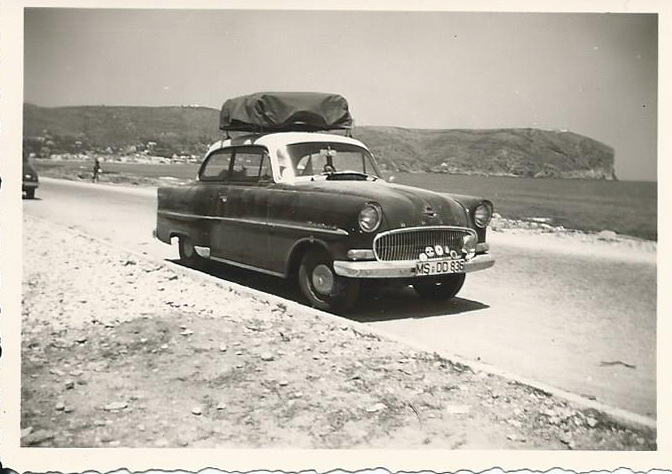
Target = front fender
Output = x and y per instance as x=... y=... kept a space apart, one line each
x=470 y=203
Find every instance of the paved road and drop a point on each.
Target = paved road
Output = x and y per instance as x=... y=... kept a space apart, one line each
x=579 y=317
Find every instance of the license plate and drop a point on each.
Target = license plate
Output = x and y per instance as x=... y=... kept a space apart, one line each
x=439 y=267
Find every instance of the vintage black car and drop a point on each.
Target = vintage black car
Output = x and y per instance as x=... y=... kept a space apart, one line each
x=314 y=206
x=30 y=179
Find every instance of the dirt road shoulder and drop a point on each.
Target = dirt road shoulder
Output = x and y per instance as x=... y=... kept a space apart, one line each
x=118 y=350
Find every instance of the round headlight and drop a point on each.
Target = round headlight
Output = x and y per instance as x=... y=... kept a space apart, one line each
x=370 y=217
x=483 y=214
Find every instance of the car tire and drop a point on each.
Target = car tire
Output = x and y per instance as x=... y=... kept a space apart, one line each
x=443 y=288
x=30 y=194
x=188 y=255
x=322 y=287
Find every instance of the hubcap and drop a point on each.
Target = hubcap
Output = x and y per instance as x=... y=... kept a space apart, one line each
x=323 y=279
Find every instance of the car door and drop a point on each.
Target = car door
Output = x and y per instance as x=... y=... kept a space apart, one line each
x=240 y=233
x=213 y=182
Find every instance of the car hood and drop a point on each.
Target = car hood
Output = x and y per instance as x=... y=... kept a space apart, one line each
x=403 y=206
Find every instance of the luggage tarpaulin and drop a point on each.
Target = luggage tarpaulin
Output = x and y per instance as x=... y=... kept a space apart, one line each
x=285 y=111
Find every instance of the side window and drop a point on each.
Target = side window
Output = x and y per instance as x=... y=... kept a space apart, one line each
x=251 y=165
x=284 y=163
x=265 y=172
x=217 y=166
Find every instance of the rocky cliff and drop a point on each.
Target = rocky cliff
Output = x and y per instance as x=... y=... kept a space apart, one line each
x=168 y=131
x=502 y=152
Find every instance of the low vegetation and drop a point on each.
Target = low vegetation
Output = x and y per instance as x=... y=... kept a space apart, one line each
x=185 y=132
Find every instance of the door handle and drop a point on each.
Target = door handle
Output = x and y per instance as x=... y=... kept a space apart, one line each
x=223 y=198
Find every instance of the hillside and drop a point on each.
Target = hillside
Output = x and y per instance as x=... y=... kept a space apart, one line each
x=509 y=152
x=169 y=131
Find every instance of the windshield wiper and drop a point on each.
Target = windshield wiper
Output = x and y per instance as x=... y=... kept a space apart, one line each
x=344 y=175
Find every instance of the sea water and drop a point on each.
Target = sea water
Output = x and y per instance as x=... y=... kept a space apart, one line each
x=626 y=207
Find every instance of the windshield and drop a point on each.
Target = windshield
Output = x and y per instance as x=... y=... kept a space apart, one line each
x=331 y=158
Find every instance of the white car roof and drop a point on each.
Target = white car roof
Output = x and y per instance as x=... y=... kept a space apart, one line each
x=273 y=141
x=276 y=144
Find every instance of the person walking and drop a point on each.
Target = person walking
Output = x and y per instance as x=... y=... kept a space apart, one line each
x=96 y=171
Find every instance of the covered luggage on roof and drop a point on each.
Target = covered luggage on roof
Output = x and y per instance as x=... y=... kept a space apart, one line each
x=285 y=111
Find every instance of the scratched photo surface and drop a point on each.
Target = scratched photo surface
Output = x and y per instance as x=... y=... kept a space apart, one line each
x=280 y=229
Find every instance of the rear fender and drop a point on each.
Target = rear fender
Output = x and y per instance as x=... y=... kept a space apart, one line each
x=167 y=229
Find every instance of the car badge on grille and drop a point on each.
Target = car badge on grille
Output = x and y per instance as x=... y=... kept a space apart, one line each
x=429 y=212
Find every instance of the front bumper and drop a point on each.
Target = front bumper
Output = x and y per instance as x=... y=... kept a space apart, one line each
x=28 y=185
x=405 y=269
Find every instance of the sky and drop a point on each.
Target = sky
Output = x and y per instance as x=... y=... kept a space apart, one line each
x=591 y=73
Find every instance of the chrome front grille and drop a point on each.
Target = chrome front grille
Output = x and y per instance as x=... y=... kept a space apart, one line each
x=409 y=243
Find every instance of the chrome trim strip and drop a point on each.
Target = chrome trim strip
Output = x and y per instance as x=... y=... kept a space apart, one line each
x=182 y=215
x=309 y=228
x=272 y=225
x=402 y=269
x=428 y=227
x=248 y=267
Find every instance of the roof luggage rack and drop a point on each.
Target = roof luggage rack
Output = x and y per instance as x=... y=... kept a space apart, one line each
x=267 y=112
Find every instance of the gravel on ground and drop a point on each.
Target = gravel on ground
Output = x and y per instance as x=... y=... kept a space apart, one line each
x=122 y=350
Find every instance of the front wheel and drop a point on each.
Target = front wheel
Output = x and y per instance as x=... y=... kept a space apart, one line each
x=30 y=194
x=322 y=287
x=188 y=255
x=443 y=288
